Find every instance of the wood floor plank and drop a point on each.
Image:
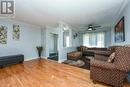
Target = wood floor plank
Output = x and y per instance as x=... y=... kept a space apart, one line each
x=46 y=73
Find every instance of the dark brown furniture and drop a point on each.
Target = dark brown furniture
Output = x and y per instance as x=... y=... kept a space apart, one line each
x=84 y=52
x=112 y=73
x=75 y=55
x=104 y=54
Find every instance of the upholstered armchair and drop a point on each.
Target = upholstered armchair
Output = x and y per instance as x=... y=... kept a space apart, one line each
x=112 y=73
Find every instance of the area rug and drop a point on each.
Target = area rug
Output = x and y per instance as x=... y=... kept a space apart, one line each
x=78 y=63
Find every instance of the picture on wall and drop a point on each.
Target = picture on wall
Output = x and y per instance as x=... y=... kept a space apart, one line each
x=119 y=31
x=16 y=32
x=3 y=35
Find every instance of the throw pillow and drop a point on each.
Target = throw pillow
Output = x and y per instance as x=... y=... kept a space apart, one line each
x=111 y=58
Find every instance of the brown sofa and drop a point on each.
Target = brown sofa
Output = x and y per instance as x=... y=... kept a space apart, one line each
x=90 y=51
x=103 y=55
x=112 y=73
x=98 y=53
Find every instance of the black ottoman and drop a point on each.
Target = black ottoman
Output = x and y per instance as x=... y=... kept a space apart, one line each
x=12 y=59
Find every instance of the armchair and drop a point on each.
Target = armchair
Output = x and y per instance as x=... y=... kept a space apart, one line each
x=112 y=73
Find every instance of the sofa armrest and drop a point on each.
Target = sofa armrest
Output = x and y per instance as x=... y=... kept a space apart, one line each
x=102 y=64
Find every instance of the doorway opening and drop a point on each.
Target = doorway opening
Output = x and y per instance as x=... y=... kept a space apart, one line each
x=53 y=46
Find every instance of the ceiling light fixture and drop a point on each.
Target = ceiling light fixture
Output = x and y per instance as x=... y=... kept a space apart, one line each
x=90 y=28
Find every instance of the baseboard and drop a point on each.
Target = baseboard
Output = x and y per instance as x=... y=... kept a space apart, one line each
x=44 y=57
x=30 y=59
x=60 y=61
x=34 y=58
x=52 y=60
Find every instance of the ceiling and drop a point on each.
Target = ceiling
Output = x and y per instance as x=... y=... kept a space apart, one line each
x=73 y=12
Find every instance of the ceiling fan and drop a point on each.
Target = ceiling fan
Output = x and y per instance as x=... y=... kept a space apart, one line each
x=91 y=27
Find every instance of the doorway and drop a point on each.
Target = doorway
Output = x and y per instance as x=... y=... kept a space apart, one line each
x=53 y=46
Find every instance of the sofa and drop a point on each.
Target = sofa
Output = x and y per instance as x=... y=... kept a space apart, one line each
x=103 y=55
x=83 y=51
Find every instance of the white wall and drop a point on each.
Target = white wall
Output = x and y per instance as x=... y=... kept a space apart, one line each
x=126 y=14
x=30 y=37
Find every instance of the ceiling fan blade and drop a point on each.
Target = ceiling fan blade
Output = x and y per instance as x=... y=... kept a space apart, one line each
x=83 y=27
x=96 y=26
x=94 y=29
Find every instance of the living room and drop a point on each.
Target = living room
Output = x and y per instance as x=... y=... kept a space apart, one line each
x=68 y=43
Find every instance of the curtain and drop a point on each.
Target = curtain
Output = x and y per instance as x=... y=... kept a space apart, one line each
x=94 y=39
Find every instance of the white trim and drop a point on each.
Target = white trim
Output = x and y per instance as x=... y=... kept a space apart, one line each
x=52 y=60
x=30 y=59
x=44 y=57
x=60 y=61
x=121 y=10
x=34 y=58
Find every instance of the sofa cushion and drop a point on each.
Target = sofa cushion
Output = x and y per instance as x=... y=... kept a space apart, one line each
x=111 y=58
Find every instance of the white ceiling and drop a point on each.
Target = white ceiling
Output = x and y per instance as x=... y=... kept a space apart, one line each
x=73 y=12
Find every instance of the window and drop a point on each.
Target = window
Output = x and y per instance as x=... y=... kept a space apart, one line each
x=94 y=39
x=66 y=38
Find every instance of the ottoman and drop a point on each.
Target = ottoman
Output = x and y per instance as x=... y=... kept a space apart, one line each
x=75 y=55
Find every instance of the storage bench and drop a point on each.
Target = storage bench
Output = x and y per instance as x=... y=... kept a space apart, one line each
x=11 y=59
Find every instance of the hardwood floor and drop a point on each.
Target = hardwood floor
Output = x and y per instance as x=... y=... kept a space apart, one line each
x=46 y=73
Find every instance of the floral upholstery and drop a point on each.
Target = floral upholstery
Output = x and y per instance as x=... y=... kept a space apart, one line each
x=112 y=73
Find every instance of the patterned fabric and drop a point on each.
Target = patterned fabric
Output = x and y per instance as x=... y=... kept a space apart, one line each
x=128 y=45
x=111 y=58
x=113 y=48
x=112 y=73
